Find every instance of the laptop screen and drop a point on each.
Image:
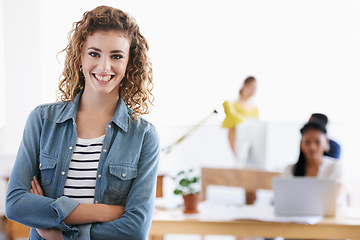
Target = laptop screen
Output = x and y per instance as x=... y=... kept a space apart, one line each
x=300 y=196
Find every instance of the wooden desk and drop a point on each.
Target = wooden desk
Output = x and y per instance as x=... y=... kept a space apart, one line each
x=328 y=228
x=249 y=179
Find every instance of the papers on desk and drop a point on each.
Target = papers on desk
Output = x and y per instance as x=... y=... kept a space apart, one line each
x=212 y=211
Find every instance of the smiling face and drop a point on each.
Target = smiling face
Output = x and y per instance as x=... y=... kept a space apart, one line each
x=313 y=145
x=104 y=58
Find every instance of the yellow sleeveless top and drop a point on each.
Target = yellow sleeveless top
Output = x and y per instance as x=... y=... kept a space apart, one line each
x=236 y=113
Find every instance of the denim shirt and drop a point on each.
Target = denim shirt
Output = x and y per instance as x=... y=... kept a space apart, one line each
x=126 y=173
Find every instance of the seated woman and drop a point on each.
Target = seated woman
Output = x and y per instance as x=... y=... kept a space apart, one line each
x=312 y=161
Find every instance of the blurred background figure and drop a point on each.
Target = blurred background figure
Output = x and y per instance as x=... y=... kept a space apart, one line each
x=241 y=132
x=240 y=110
x=312 y=162
x=334 y=150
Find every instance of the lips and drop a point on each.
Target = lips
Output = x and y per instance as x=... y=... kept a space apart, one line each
x=103 y=78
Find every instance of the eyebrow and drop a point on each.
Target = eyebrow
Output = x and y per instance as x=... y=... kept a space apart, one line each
x=98 y=50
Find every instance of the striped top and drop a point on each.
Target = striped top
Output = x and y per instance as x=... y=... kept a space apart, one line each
x=81 y=177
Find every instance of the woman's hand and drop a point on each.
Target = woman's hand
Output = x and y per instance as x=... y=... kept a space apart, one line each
x=36 y=188
x=48 y=234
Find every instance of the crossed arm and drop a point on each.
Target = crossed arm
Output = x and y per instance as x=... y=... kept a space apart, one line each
x=82 y=214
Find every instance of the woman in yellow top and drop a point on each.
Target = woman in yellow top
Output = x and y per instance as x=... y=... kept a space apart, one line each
x=238 y=111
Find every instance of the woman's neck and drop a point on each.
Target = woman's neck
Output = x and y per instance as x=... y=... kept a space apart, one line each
x=244 y=99
x=245 y=102
x=99 y=104
x=94 y=113
x=312 y=166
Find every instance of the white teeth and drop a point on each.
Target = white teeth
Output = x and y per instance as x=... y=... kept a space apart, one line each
x=103 y=78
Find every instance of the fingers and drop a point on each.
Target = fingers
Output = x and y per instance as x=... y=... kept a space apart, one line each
x=35 y=187
x=38 y=187
x=54 y=234
x=41 y=233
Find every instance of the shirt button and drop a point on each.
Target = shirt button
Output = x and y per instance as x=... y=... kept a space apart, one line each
x=99 y=176
x=96 y=202
x=40 y=165
x=109 y=126
x=104 y=150
x=70 y=237
x=123 y=175
x=70 y=148
x=62 y=173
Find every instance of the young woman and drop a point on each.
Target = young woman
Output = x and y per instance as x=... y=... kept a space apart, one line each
x=238 y=111
x=312 y=162
x=87 y=165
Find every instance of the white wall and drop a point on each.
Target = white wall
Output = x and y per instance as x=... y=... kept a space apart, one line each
x=304 y=54
x=22 y=66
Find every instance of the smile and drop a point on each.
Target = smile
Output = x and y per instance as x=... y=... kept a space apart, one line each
x=103 y=78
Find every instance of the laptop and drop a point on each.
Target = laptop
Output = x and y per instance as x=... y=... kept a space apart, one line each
x=302 y=196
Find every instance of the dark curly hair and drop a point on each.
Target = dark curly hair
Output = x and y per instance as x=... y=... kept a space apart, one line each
x=136 y=86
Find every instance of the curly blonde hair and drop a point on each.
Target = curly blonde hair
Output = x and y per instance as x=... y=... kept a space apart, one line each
x=136 y=86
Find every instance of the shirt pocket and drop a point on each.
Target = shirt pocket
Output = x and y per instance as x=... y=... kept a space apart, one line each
x=47 y=168
x=121 y=178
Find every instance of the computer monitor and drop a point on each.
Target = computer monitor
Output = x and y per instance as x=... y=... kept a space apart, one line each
x=250 y=144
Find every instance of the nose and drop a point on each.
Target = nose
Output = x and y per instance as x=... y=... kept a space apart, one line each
x=104 y=65
x=313 y=147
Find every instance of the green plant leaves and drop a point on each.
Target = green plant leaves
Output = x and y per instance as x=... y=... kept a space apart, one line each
x=194 y=179
x=185 y=182
x=177 y=191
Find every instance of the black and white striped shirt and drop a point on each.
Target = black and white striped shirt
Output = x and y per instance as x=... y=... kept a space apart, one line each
x=81 y=177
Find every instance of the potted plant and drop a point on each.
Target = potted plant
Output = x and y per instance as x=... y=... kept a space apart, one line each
x=187 y=185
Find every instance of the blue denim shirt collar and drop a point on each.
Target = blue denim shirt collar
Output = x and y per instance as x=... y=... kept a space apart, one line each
x=122 y=115
x=121 y=118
